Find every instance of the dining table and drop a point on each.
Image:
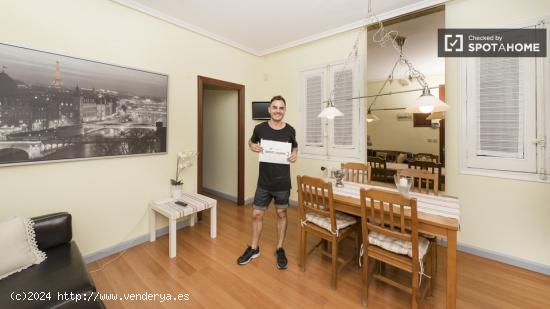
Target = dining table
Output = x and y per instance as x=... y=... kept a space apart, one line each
x=437 y=215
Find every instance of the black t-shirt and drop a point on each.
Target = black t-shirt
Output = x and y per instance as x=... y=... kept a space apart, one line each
x=274 y=177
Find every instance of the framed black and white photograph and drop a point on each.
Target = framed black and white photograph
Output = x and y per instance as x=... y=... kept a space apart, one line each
x=55 y=107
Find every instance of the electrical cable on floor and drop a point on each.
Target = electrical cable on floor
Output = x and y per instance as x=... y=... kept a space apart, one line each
x=102 y=267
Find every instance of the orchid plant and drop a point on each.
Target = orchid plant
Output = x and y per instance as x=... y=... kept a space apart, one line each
x=185 y=160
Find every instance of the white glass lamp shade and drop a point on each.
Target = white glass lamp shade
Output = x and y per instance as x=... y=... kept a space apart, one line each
x=330 y=112
x=436 y=116
x=372 y=117
x=427 y=103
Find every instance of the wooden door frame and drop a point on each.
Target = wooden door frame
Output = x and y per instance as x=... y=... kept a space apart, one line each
x=206 y=81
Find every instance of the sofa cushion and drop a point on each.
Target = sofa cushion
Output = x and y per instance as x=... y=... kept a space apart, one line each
x=53 y=229
x=18 y=245
x=63 y=271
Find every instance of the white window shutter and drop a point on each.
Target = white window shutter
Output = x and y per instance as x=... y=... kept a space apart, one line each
x=344 y=131
x=314 y=101
x=313 y=95
x=501 y=108
x=343 y=92
x=501 y=114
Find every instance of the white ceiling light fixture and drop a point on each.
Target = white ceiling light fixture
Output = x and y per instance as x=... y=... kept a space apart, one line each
x=330 y=111
x=426 y=103
x=436 y=116
x=372 y=117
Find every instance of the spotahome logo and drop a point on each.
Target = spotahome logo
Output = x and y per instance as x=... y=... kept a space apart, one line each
x=454 y=42
x=491 y=42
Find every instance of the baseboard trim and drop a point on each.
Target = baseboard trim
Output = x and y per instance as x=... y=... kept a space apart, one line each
x=94 y=256
x=499 y=257
x=226 y=196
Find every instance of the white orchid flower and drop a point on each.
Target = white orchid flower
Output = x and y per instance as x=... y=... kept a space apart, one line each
x=184 y=160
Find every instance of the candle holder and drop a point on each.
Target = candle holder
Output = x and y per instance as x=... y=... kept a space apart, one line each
x=403 y=184
x=339 y=175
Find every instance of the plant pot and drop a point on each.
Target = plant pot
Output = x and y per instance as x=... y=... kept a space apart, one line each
x=175 y=191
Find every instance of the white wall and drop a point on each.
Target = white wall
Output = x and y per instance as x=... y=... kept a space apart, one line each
x=509 y=217
x=108 y=198
x=220 y=157
x=388 y=133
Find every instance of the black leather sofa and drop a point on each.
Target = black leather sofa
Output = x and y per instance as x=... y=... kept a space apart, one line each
x=62 y=273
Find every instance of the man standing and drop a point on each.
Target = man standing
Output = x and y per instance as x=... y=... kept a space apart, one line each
x=273 y=181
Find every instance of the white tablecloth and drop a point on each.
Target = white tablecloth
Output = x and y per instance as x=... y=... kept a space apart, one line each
x=437 y=205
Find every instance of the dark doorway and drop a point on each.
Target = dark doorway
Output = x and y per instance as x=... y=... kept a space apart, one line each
x=206 y=82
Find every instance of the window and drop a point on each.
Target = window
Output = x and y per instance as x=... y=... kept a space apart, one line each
x=341 y=138
x=502 y=117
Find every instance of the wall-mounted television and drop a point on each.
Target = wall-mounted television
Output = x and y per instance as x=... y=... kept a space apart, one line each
x=259 y=110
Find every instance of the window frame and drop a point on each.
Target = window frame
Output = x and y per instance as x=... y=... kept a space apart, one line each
x=328 y=151
x=495 y=167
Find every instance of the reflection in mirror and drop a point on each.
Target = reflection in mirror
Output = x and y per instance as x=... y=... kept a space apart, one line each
x=397 y=140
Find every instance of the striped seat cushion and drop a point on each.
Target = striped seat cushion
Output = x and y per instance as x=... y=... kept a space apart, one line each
x=397 y=245
x=342 y=220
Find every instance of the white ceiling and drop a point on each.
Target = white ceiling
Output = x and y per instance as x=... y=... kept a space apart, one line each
x=420 y=48
x=264 y=26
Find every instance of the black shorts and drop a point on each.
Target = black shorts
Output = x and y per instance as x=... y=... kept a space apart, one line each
x=263 y=197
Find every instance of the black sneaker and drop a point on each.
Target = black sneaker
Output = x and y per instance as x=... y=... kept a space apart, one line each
x=248 y=255
x=282 y=262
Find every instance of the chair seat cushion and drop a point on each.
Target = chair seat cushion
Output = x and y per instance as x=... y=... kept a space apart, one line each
x=342 y=220
x=397 y=245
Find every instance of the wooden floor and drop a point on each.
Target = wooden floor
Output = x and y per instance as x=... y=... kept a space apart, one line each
x=206 y=269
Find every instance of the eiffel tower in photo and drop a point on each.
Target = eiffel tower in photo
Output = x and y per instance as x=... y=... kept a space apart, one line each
x=57 y=83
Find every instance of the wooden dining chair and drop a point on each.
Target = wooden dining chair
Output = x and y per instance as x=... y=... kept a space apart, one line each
x=356 y=172
x=433 y=167
x=423 y=181
x=427 y=157
x=427 y=183
x=378 y=168
x=390 y=236
x=318 y=217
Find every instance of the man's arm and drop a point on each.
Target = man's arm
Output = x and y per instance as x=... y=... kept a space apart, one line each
x=254 y=141
x=293 y=155
x=254 y=147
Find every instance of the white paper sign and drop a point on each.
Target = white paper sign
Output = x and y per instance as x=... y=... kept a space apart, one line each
x=275 y=152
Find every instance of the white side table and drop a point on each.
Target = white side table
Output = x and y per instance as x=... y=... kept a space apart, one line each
x=167 y=207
